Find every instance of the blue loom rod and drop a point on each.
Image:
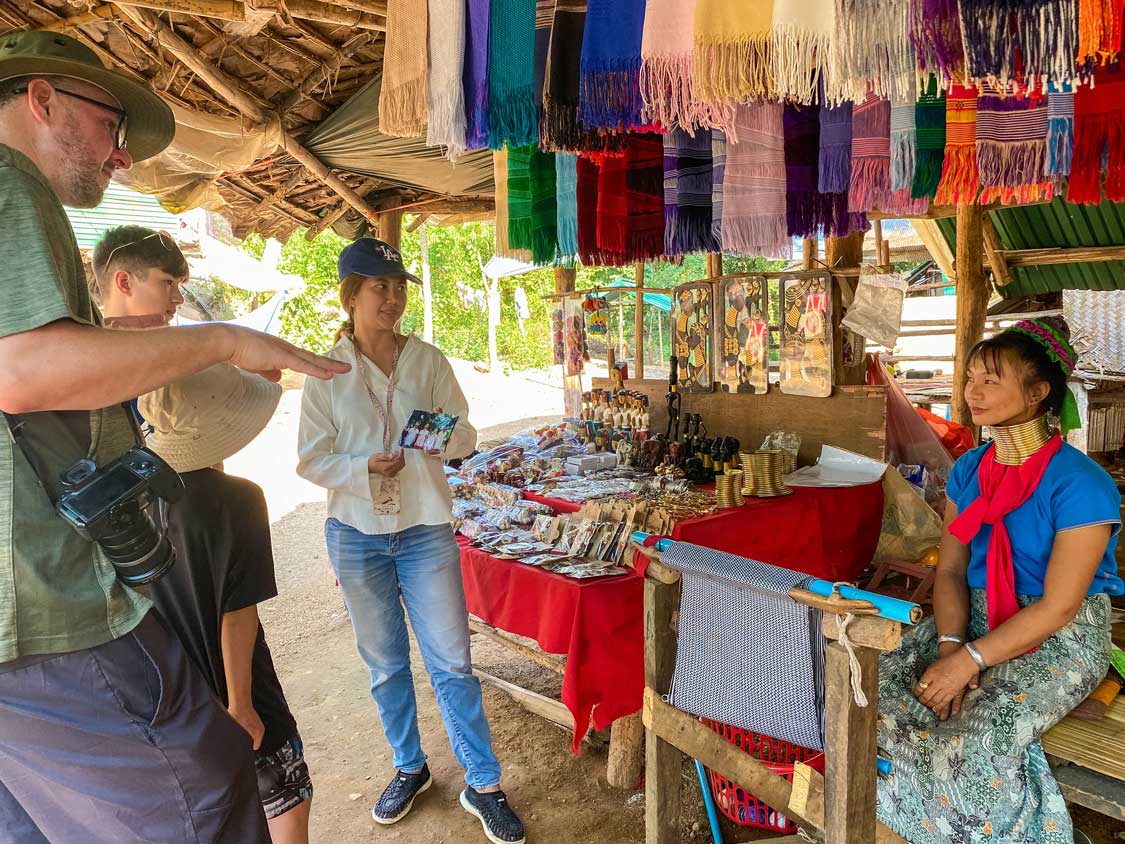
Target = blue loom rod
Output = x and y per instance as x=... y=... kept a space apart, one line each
x=709 y=804
x=884 y=766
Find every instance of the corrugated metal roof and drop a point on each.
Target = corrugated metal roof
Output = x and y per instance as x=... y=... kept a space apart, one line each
x=1062 y=225
x=119 y=207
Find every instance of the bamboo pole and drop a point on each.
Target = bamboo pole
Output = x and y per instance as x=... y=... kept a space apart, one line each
x=994 y=250
x=97 y=15
x=324 y=71
x=639 y=324
x=327 y=220
x=973 y=292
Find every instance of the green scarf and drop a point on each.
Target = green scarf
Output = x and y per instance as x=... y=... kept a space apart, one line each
x=544 y=207
x=519 y=197
x=929 y=141
x=513 y=103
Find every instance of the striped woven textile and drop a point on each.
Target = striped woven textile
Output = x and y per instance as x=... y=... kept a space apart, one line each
x=566 y=197
x=1099 y=131
x=544 y=207
x=519 y=197
x=1060 y=130
x=1012 y=146
x=753 y=215
x=687 y=192
x=960 y=181
x=718 y=173
x=644 y=186
x=929 y=140
x=835 y=164
x=871 y=153
x=903 y=134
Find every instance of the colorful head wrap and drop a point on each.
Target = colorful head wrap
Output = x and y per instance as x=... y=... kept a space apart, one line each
x=1061 y=352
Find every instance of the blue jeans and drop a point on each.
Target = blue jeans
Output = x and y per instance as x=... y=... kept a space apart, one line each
x=423 y=565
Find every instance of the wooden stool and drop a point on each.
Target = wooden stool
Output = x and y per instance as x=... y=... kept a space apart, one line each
x=919 y=594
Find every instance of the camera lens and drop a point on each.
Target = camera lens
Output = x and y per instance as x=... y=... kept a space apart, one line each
x=139 y=552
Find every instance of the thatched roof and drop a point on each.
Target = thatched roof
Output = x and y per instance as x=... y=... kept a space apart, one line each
x=251 y=81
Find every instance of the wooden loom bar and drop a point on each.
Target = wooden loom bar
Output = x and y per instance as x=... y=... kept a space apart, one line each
x=663 y=761
x=849 y=736
x=973 y=292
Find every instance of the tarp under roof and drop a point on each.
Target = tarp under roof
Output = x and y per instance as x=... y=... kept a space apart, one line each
x=1060 y=225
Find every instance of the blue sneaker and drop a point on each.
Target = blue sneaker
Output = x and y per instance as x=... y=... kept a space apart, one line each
x=397 y=798
x=500 y=823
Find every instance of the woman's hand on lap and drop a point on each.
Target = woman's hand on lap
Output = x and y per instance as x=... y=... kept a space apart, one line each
x=943 y=685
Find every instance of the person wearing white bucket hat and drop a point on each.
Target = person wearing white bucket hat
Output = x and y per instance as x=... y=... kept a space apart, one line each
x=220 y=529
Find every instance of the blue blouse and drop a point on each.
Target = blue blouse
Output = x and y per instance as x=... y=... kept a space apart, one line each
x=1074 y=492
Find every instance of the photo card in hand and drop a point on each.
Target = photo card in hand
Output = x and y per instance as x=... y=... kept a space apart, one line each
x=428 y=431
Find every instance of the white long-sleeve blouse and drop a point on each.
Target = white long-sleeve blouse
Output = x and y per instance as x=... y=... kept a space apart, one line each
x=340 y=429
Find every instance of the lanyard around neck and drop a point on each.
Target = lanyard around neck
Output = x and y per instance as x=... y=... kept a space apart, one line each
x=384 y=415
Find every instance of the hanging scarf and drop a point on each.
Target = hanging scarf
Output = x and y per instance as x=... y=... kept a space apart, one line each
x=935 y=30
x=588 y=173
x=960 y=181
x=610 y=96
x=513 y=108
x=667 y=58
x=474 y=81
x=871 y=153
x=544 y=207
x=500 y=174
x=613 y=208
x=687 y=193
x=835 y=162
x=807 y=211
x=732 y=58
x=1060 y=130
x=753 y=215
x=402 y=99
x=1003 y=489
x=560 y=128
x=519 y=198
x=903 y=140
x=801 y=47
x=566 y=185
x=1099 y=31
x=644 y=181
x=1029 y=39
x=929 y=140
x=872 y=47
x=1099 y=121
x=446 y=116
x=1012 y=146
x=718 y=178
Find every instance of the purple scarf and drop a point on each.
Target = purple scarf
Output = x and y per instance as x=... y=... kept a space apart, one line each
x=475 y=76
x=835 y=148
x=808 y=211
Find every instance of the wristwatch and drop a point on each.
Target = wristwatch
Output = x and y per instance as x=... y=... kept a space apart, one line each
x=976 y=655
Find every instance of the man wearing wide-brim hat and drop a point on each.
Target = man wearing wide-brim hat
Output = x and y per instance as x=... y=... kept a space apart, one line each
x=107 y=732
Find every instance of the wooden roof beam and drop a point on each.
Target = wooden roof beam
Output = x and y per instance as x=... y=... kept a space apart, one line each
x=1051 y=256
x=935 y=243
x=235 y=10
x=344 y=55
x=994 y=251
x=313 y=10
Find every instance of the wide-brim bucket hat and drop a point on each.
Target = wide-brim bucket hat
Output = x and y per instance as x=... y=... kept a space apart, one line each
x=151 y=123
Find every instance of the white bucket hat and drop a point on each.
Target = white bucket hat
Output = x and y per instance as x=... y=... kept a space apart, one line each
x=202 y=420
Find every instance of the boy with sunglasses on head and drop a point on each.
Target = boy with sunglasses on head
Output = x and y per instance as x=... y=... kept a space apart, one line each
x=138 y=273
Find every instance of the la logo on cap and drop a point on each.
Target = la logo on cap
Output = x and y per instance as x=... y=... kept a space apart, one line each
x=389 y=253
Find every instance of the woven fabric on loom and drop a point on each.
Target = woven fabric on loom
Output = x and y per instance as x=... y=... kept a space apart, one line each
x=475 y=77
x=1099 y=130
x=732 y=58
x=960 y=181
x=544 y=207
x=513 y=107
x=929 y=140
x=610 y=95
x=835 y=162
x=872 y=48
x=687 y=193
x=402 y=98
x=1006 y=40
x=644 y=191
x=446 y=117
x=871 y=153
x=1012 y=146
x=560 y=129
x=519 y=197
x=1099 y=31
x=1060 y=130
x=566 y=197
x=935 y=27
x=748 y=655
x=753 y=213
x=718 y=176
x=801 y=41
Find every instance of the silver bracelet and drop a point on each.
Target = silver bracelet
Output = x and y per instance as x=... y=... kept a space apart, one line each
x=976 y=655
x=949 y=637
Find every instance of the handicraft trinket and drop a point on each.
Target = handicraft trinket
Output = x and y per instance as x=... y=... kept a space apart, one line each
x=806 y=336
x=691 y=336
x=743 y=336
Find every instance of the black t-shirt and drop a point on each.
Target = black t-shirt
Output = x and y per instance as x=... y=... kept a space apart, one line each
x=224 y=562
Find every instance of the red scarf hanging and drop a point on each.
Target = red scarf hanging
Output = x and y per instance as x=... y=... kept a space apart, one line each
x=1099 y=121
x=1002 y=490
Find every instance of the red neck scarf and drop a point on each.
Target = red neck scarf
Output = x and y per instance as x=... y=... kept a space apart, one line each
x=1002 y=490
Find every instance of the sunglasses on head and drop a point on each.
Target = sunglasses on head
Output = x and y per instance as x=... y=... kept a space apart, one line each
x=166 y=241
x=119 y=134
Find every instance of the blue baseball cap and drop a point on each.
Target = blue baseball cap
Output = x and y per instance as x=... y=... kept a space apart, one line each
x=370 y=257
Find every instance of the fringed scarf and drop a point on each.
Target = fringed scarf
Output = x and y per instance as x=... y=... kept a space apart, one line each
x=807 y=210
x=718 y=177
x=935 y=30
x=754 y=185
x=500 y=174
x=1099 y=31
x=644 y=182
x=544 y=207
x=588 y=174
x=667 y=58
x=801 y=47
x=519 y=197
x=613 y=208
x=871 y=153
x=1012 y=146
x=835 y=162
x=474 y=81
x=960 y=180
x=560 y=129
x=929 y=140
x=687 y=193
x=903 y=140
x=1036 y=40
x=1099 y=122
x=446 y=116
x=872 y=47
x=402 y=100
x=1060 y=130
x=566 y=198
x=610 y=95
x=513 y=107
x=732 y=58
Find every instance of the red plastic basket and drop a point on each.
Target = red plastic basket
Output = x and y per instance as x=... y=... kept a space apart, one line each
x=779 y=756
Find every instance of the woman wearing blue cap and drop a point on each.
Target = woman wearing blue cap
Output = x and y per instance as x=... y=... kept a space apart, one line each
x=389 y=533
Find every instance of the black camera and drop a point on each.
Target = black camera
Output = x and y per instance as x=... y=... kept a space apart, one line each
x=121 y=506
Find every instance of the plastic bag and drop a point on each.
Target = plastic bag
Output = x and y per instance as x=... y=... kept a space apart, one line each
x=786 y=441
x=876 y=311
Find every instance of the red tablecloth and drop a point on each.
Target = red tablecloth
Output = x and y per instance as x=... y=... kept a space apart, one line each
x=556 y=504
x=598 y=624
